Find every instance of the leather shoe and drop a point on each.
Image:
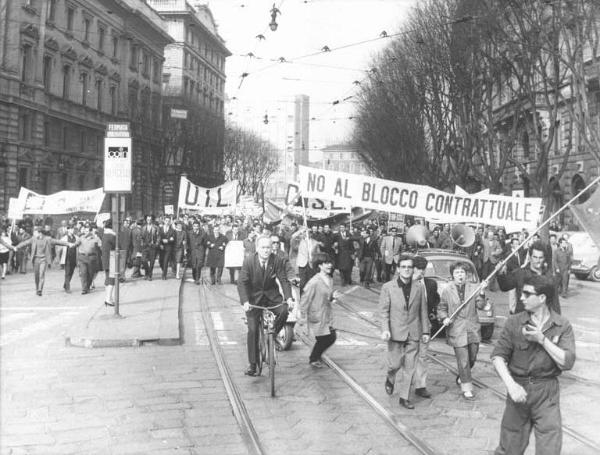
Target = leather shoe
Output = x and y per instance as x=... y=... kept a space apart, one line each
x=406 y=403
x=423 y=392
x=389 y=387
x=251 y=370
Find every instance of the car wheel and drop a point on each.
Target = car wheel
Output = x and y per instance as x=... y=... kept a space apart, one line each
x=595 y=274
x=581 y=276
x=487 y=331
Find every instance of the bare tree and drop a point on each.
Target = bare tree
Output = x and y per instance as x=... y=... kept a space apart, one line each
x=249 y=159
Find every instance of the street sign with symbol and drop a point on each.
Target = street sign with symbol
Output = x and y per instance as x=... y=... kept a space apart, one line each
x=117 y=165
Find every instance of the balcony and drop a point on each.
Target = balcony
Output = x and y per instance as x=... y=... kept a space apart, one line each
x=169 y=5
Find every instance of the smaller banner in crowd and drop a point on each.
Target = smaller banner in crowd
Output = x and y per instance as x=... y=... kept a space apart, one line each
x=208 y=201
x=315 y=208
x=419 y=200
x=63 y=202
x=14 y=209
x=234 y=253
x=588 y=214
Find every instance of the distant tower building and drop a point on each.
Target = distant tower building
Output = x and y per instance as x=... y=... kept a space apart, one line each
x=301 y=129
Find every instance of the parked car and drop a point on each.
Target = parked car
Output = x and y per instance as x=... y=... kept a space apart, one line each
x=586 y=256
x=438 y=268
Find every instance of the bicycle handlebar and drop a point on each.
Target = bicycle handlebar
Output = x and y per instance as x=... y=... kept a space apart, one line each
x=265 y=307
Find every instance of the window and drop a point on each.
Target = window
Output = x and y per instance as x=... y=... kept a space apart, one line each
x=133 y=57
x=46 y=133
x=115 y=44
x=82 y=182
x=22 y=180
x=101 y=34
x=86 y=29
x=525 y=141
x=156 y=70
x=557 y=138
x=65 y=138
x=99 y=94
x=47 y=72
x=132 y=104
x=25 y=128
x=113 y=99
x=51 y=13
x=145 y=64
x=84 y=88
x=66 y=81
x=70 y=18
x=82 y=141
x=26 y=63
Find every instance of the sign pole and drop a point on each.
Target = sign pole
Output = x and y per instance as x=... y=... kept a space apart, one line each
x=117 y=258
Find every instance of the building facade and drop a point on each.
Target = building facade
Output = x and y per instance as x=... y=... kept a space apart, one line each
x=67 y=69
x=194 y=96
x=343 y=158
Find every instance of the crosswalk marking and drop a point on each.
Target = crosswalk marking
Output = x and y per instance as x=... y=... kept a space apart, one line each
x=41 y=308
x=24 y=332
x=4 y=320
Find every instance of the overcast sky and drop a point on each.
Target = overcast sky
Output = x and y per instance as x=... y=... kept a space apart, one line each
x=304 y=28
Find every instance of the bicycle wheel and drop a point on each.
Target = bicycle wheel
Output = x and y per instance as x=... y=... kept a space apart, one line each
x=271 y=359
x=262 y=349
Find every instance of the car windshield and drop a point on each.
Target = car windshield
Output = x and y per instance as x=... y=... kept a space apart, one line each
x=440 y=268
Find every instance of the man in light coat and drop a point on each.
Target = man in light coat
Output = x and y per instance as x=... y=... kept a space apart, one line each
x=390 y=252
x=404 y=323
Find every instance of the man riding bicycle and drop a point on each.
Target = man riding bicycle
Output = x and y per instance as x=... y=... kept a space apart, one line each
x=257 y=286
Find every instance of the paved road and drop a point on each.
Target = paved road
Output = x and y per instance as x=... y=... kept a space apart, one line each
x=171 y=400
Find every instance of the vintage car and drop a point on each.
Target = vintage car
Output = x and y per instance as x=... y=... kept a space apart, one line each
x=586 y=256
x=438 y=268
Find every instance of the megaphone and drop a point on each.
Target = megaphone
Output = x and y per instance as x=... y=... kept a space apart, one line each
x=417 y=235
x=462 y=235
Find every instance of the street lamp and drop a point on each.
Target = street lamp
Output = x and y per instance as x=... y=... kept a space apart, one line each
x=274 y=13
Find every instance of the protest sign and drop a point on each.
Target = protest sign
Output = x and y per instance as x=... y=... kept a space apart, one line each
x=208 y=201
x=418 y=200
x=14 y=209
x=63 y=202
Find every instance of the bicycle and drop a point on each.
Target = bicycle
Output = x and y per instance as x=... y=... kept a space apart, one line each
x=266 y=343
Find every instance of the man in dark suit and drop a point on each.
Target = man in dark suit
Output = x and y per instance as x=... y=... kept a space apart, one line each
x=433 y=299
x=366 y=256
x=166 y=235
x=257 y=285
x=149 y=246
x=404 y=323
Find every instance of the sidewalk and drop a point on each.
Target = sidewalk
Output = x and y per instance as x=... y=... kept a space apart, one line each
x=149 y=312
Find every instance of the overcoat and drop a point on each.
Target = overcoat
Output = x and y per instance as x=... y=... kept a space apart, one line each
x=404 y=320
x=216 y=249
x=465 y=325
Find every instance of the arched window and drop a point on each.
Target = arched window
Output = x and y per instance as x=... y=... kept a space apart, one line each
x=578 y=184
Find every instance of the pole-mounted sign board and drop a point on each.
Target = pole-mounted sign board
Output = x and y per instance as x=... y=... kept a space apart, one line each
x=117 y=159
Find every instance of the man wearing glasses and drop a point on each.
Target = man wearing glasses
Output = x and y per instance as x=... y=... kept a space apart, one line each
x=534 y=347
x=404 y=322
x=536 y=267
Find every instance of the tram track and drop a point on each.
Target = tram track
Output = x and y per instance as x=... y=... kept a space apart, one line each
x=388 y=417
x=432 y=355
x=249 y=433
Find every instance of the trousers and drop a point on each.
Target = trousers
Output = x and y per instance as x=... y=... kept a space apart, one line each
x=421 y=368
x=253 y=317
x=541 y=412
x=39 y=272
x=323 y=343
x=399 y=354
x=465 y=360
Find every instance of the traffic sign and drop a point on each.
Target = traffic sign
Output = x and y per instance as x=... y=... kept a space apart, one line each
x=117 y=165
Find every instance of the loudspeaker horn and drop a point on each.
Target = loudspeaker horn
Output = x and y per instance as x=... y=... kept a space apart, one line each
x=417 y=235
x=462 y=235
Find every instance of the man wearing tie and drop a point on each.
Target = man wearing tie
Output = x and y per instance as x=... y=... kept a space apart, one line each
x=257 y=285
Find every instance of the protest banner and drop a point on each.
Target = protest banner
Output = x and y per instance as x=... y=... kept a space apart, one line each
x=63 y=202
x=234 y=253
x=317 y=208
x=208 y=201
x=419 y=200
x=14 y=209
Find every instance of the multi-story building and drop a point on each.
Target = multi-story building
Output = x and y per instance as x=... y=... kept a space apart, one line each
x=193 y=90
x=343 y=158
x=67 y=69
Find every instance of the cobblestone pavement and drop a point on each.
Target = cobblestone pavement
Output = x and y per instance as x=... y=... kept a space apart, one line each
x=171 y=400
